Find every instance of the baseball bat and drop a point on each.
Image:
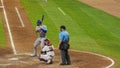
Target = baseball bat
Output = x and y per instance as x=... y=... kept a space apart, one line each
x=42 y=18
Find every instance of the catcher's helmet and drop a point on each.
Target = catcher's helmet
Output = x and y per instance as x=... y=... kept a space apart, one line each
x=48 y=42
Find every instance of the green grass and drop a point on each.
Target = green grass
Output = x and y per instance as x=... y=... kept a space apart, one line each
x=2 y=35
x=90 y=29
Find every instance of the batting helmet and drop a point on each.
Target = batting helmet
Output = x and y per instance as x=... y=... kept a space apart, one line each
x=39 y=22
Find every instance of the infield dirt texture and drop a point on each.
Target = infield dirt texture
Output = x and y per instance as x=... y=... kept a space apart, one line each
x=24 y=37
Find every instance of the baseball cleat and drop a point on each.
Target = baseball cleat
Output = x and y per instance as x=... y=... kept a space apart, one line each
x=62 y=64
x=68 y=64
x=49 y=62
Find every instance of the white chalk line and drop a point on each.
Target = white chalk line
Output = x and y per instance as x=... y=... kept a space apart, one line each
x=1 y=6
x=13 y=59
x=5 y=64
x=20 y=18
x=9 y=30
x=13 y=64
x=24 y=54
x=24 y=62
x=109 y=66
x=61 y=11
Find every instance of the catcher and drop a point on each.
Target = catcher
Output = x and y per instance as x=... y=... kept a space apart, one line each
x=47 y=52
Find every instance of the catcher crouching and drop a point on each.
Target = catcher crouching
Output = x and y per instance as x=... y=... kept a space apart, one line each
x=47 y=52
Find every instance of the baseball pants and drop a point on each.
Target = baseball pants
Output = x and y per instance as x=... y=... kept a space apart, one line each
x=39 y=41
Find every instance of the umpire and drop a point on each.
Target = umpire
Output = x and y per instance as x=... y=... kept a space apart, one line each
x=64 y=46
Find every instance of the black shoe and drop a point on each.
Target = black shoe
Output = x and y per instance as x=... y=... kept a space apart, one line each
x=62 y=64
x=41 y=59
x=68 y=63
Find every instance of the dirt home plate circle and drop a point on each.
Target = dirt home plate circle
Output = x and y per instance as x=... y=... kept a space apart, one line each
x=79 y=59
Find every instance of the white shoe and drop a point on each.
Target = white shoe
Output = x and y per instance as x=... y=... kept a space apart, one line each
x=49 y=62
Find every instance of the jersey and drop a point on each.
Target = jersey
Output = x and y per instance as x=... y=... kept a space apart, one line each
x=42 y=30
x=64 y=36
x=49 y=50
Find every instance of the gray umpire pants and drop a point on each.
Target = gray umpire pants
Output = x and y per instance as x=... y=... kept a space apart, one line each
x=39 y=41
x=65 y=57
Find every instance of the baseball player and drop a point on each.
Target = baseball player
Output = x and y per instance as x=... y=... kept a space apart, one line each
x=47 y=52
x=41 y=30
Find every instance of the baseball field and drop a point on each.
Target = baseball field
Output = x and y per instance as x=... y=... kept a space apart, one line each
x=2 y=35
x=94 y=32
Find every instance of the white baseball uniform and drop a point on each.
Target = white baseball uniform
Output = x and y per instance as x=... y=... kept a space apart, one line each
x=40 y=39
x=49 y=53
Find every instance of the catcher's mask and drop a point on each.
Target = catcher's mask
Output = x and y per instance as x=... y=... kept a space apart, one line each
x=47 y=42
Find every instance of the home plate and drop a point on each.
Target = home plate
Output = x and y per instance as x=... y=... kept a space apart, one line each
x=13 y=59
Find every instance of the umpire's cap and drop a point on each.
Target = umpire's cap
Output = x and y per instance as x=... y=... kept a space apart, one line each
x=63 y=27
x=39 y=22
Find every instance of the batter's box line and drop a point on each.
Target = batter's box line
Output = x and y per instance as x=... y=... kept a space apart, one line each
x=2 y=7
x=24 y=54
x=5 y=64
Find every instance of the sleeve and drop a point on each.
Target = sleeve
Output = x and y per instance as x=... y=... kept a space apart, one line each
x=37 y=28
x=44 y=48
x=44 y=28
x=61 y=36
x=45 y=31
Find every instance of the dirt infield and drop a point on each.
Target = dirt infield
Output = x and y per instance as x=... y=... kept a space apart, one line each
x=79 y=60
x=110 y=6
x=23 y=39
